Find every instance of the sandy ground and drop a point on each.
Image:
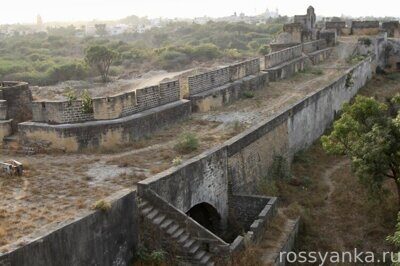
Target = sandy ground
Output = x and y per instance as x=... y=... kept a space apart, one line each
x=58 y=187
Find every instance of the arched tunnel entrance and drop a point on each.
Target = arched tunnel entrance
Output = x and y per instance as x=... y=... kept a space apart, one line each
x=206 y=215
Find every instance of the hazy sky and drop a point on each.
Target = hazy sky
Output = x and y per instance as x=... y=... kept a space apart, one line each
x=25 y=11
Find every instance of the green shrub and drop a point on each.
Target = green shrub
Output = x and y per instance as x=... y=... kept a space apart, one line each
x=69 y=71
x=87 y=102
x=155 y=257
x=207 y=51
x=248 y=94
x=365 y=41
x=279 y=169
x=264 y=50
x=187 y=143
x=70 y=95
x=317 y=71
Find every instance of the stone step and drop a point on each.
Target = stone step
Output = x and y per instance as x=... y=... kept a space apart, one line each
x=158 y=219
x=190 y=247
x=194 y=249
x=166 y=223
x=189 y=243
x=178 y=233
x=199 y=254
x=152 y=214
x=147 y=210
x=172 y=229
x=183 y=238
x=143 y=204
x=206 y=258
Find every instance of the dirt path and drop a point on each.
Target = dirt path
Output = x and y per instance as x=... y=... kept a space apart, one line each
x=327 y=178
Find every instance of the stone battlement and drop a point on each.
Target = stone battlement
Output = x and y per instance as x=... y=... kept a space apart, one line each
x=106 y=108
x=216 y=78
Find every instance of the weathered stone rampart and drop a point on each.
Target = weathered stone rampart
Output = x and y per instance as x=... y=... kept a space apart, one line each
x=217 y=78
x=310 y=47
x=234 y=168
x=277 y=58
x=95 y=238
x=103 y=133
x=105 y=108
x=365 y=27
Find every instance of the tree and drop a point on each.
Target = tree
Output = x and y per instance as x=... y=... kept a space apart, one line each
x=368 y=132
x=101 y=29
x=100 y=57
x=395 y=240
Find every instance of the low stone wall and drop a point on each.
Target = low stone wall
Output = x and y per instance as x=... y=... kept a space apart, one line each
x=287 y=69
x=289 y=243
x=335 y=25
x=18 y=98
x=330 y=36
x=60 y=112
x=208 y=80
x=105 y=133
x=106 y=108
x=246 y=210
x=96 y=238
x=211 y=99
x=320 y=55
x=3 y=110
x=277 y=58
x=392 y=28
x=275 y=47
x=310 y=47
x=5 y=129
x=217 y=78
x=244 y=69
x=365 y=27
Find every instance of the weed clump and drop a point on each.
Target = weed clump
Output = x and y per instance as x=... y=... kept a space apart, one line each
x=102 y=205
x=187 y=143
x=155 y=257
x=177 y=161
x=87 y=103
x=248 y=94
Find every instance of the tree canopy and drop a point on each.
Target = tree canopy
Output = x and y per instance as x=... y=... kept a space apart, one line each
x=100 y=57
x=368 y=132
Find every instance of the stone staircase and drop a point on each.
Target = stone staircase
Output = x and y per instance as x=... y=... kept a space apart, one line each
x=191 y=250
x=11 y=145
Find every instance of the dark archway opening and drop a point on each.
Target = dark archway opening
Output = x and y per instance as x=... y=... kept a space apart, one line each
x=206 y=215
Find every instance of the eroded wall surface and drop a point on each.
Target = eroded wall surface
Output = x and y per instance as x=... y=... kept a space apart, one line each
x=99 y=238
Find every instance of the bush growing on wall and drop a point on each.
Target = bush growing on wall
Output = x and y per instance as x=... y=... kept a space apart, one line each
x=87 y=103
x=187 y=143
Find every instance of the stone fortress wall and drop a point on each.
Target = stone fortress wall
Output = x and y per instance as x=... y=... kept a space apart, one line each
x=237 y=166
x=127 y=117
